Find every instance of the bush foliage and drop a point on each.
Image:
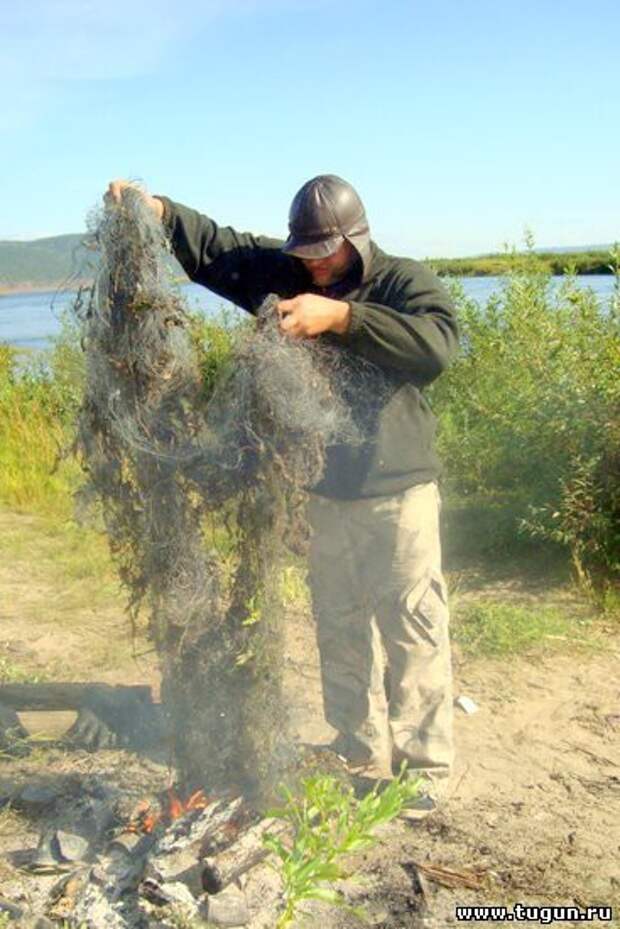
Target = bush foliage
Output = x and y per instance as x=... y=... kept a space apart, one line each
x=39 y=398
x=529 y=414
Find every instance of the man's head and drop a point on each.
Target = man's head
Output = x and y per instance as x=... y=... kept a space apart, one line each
x=328 y=229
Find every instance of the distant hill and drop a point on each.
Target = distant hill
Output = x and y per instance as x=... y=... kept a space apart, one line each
x=57 y=261
x=42 y=262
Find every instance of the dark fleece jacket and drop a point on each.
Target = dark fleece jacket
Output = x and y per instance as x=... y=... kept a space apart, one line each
x=402 y=320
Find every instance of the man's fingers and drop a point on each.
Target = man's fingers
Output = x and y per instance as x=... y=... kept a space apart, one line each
x=116 y=188
x=287 y=322
x=286 y=306
x=290 y=326
x=293 y=328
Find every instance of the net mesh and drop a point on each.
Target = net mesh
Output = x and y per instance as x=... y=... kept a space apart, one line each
x=175 y=464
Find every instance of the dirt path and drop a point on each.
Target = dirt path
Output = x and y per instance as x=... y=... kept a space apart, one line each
x=533 y=811
x=534 y=804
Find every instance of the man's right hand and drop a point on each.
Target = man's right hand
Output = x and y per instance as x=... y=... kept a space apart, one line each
x=115 y=192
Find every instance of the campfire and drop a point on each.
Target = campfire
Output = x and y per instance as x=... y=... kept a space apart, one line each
x=200 y=857
x=145 y=819
x=103 y=862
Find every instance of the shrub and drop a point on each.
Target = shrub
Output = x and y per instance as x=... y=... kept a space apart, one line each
x=530 y=412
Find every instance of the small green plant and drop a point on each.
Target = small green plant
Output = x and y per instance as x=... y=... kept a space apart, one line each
x=329 y=822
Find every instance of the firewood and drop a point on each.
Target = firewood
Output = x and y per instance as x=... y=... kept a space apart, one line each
x=248 y=851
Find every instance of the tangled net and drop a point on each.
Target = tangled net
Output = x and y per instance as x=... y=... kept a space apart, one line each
x=171 y=466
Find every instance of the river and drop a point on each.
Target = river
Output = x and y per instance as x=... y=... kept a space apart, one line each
x=30 y=320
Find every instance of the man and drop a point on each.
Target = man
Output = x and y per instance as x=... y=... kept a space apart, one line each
x=375 y=566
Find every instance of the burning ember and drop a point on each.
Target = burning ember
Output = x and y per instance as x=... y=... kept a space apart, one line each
x=144 y=819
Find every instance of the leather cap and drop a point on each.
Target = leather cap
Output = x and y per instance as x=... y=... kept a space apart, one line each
x=324 y=213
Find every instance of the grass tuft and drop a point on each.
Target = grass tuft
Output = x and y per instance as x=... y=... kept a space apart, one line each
x=501 y=629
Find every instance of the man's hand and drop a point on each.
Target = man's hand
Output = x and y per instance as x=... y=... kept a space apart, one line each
x=115 y=192
x=309 y=315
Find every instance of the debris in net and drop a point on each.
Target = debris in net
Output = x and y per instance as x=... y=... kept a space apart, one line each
x=169 y=462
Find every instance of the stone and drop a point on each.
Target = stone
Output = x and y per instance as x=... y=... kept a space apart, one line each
x=37 y=797
x=131 y=844
x=12 y=910
x=71 y=847
x=228 y=908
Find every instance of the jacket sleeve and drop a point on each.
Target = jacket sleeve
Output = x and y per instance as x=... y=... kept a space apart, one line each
x=217 y=257
x=414 y=331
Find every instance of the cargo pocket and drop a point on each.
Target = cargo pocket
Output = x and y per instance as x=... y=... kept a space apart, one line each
x=425 y=607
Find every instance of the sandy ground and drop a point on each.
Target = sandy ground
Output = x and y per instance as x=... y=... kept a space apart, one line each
x=534 y=803
x=532 y=813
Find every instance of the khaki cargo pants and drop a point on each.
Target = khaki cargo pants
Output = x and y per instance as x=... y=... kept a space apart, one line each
x=380 y=607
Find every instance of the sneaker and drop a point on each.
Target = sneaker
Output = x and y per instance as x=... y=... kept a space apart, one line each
x=419 y=809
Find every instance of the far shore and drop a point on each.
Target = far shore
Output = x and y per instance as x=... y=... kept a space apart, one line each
x=8 y=290
x=58 y=287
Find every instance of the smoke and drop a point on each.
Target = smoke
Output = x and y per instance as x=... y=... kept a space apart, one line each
x=173 y=464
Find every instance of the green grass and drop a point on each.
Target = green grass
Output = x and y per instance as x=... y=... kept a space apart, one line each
x=13 y=673
x=74 y=558
x=497 y=629
x=33 y=478
x=39 y=397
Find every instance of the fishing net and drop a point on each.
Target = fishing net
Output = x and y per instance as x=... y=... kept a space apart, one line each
x=202 y=490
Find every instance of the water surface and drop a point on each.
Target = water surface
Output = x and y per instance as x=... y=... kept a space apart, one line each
x=29 y=320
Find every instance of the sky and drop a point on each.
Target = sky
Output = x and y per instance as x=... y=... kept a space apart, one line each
x=461 y=123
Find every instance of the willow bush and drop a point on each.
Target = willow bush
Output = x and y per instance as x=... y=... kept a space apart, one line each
x=529 y=414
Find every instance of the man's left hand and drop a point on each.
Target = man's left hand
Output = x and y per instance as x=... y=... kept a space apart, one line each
x=309 y=315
